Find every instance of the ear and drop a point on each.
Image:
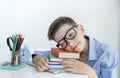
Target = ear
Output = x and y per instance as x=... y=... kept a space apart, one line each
x=80 y=27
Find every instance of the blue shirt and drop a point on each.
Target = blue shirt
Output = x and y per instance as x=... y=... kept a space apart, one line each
x=102 y=58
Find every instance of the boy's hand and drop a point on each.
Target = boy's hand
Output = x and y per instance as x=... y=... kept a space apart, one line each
x=41 y=63
x=78 y=66
x=74 y=65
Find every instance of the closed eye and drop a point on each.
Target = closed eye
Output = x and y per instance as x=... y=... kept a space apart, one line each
x=71 y=35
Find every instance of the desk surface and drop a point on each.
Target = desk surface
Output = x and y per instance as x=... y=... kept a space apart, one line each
x=30 y=72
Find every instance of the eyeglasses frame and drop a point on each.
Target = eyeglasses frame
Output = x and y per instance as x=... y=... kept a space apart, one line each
x=65 y=38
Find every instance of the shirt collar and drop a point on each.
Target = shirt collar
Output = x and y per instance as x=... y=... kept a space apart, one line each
x=92 y=49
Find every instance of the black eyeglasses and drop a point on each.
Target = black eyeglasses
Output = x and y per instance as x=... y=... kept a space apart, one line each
x=70 y=34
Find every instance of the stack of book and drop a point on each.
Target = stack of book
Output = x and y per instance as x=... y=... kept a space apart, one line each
x=54 y=61
x=56 y=55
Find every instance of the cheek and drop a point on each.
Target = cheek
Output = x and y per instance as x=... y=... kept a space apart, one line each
x=80 y=41
x=80 y=38
x=81 y=46
x=77 y=38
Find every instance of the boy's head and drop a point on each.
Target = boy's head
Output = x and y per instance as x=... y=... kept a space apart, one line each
x=67 y=34
x=60 y=21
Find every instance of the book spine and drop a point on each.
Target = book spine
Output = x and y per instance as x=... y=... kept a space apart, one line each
x=55 y=52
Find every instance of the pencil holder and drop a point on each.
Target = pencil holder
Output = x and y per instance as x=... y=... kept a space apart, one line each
x=14 y=43
x=15 y=58
x=15 y=63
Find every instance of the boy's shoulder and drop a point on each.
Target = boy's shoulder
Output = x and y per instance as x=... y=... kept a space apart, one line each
x=101 y=45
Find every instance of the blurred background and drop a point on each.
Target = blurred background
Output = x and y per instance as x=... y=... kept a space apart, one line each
x=100 y=18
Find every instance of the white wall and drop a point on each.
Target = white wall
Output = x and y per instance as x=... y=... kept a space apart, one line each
x=32 y=18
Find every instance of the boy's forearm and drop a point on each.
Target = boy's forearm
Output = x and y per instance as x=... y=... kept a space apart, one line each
x=91 y=73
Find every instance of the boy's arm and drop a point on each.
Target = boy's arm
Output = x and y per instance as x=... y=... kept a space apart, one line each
x=42 y=53
x=108 y=67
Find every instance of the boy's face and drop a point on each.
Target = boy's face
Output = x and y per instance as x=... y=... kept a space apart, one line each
x=70 y=38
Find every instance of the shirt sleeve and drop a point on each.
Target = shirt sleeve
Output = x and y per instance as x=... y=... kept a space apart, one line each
x=42 y=53
x=109 y=65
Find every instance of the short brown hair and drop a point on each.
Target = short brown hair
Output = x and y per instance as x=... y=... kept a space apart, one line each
x=57 y=23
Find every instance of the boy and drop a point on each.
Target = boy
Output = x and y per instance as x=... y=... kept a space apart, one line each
x=97 y=59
